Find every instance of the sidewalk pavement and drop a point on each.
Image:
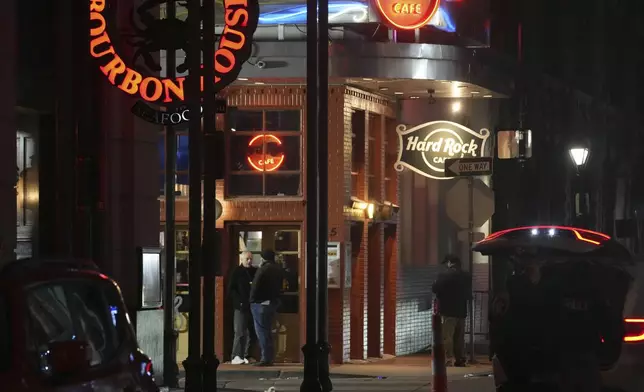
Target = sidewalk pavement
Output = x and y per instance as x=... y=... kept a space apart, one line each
x=414 y=366
x=406 y=373
x=479 y=384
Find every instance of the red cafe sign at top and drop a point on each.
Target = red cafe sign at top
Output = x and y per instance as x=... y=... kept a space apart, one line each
x=407 y=14
x=234 y=49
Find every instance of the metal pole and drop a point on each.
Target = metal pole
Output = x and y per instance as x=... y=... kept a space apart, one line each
x=170 y=368
x=193 y=364
x=311 y=382
x=470 y=253
x=323 y=195
x=210 y=254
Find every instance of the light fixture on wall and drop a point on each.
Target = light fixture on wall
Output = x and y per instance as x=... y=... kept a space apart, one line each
x=371 y=210
x=358 y=204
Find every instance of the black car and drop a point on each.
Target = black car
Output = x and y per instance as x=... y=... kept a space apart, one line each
x=590 y=294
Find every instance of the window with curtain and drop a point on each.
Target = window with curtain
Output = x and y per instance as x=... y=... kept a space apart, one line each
x=265 y=153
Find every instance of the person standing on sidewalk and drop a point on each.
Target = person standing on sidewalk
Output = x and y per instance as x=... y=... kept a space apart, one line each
x=453 y=288
x=239 y=289
x=264 y=301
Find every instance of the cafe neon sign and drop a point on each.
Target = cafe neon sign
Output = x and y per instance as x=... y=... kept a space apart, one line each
x=241 y=17
x=407 y=15
x=259 y=159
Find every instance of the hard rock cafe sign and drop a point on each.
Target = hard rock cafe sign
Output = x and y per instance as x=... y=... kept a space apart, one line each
x=152 y=35
x=407 y=14
x=424 y=148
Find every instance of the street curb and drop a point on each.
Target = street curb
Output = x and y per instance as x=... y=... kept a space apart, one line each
x=234 y=375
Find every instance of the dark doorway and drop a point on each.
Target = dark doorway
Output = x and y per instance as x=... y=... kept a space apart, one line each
x=285 y=240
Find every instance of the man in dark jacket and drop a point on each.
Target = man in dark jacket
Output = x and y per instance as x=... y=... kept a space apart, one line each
x=239 y=287
x=453 y=289
x=264 y=301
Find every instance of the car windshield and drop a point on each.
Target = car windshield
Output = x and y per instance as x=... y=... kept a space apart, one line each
x=76 y=310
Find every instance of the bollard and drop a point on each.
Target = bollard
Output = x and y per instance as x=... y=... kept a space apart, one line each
x=439 y=371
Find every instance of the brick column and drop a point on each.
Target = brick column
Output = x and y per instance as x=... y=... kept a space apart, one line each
x=390 y=289
x=337 y=200
x=373 y=285
x=390 y=256
x=8 y=131
x=376 y=128
x=359 y=289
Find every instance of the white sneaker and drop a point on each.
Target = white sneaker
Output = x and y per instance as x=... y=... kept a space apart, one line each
x=246 y=361
x=237 y=361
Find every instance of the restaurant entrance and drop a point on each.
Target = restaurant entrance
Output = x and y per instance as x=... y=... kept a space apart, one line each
x=286 y=241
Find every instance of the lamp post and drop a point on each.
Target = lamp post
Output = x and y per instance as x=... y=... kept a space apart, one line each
x=579 y=154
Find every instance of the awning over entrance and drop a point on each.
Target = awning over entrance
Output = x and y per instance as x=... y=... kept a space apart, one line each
x=381 y=61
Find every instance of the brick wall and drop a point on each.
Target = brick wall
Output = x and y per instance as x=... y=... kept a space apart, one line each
x=364 y=322
x=290 y=209
x=366 y=308
x=347 y=266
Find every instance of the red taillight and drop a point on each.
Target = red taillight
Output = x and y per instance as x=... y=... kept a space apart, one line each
x=634 y=330
x=148 y=369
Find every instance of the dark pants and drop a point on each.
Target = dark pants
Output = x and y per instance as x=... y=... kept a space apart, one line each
x=264 y=316
x=244 y=333
x=454 y=338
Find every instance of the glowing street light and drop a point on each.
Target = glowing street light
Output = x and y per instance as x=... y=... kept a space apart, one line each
x=579 y=155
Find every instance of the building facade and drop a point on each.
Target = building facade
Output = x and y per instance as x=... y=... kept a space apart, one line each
x=89 y=178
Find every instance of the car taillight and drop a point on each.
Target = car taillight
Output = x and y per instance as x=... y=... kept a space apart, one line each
x=148 y=369
x=634 y=330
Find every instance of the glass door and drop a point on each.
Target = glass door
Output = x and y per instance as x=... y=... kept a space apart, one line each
x=285 y=241
x=181 y=258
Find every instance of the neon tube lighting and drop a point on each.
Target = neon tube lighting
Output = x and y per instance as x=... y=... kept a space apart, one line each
x=579 y=233
x=636 y=338
x=357 y=11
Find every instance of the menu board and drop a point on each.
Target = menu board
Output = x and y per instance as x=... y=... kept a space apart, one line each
x=334 y=275
x=334 y=272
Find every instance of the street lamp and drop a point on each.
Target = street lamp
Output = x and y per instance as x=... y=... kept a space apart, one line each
x=579 y=155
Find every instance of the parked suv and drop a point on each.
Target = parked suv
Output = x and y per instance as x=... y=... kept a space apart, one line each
x=64 y=327
x=590 y=294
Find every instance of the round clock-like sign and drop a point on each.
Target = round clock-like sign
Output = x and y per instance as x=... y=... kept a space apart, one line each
x=265 y=153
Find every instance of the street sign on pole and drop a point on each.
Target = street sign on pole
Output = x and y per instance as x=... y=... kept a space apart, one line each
x=470 y=203
x=458 y=205
x=464 y=167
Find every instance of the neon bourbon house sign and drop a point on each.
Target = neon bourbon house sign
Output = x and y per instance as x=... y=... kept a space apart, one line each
x=424 y=148
x=407 y=14
x=241 y=17
x=265 y=153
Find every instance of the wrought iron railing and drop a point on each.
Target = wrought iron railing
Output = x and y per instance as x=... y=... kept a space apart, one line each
x=481 y=303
